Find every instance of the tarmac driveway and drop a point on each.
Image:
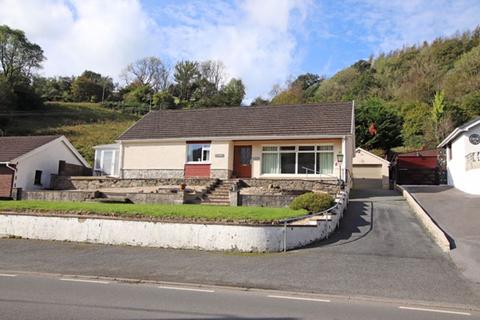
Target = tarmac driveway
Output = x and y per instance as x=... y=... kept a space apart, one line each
x=380 y=250
x=458 y=215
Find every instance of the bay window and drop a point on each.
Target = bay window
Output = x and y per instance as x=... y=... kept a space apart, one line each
x=297 y=159
x=198 y=152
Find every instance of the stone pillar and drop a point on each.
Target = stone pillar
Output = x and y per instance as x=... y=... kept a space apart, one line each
x=233 y=196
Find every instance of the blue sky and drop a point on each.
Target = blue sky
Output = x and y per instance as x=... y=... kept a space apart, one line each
x=264 y=42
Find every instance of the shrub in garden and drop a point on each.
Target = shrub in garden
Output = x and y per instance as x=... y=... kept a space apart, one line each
x=313 y=202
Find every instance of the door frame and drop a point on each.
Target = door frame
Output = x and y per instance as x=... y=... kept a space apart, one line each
x=235 y=159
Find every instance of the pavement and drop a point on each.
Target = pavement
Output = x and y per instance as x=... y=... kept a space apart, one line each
x=380 y=251
x=50 y=298
x=458 y=215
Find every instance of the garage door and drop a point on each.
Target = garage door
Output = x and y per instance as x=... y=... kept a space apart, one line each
x=6 y=176
x=367 y=176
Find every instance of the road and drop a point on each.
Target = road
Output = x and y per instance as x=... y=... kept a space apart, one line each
x=379 y=251
x=48 y=297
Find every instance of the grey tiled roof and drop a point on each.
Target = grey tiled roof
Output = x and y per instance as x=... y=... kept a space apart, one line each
x=16 y=146
x=285 y=120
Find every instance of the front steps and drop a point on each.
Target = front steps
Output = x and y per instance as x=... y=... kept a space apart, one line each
x=219 y=194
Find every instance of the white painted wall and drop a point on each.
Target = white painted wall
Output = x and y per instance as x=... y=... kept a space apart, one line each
x=154 y=155
x=169 y=235
x=46 y=159
x=458 y=176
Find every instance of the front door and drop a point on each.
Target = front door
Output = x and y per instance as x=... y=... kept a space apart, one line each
x=242 y=161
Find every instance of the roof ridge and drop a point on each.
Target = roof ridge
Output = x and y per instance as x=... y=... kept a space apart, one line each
x=256 y=107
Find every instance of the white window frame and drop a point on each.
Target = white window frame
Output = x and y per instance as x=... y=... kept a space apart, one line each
x=205 y=147
x=297 y=151
x=114 y=158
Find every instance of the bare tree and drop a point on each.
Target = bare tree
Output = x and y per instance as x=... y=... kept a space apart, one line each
x=214 y=72
x=147 y=71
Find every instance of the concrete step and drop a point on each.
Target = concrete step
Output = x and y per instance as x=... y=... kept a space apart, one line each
x=215 y=203
x=111 y=200
x=214 y=193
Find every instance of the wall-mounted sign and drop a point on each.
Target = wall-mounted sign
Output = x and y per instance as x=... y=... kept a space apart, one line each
x=219 y=155
x=472 y=161
x=474 y=139
x=256 y=158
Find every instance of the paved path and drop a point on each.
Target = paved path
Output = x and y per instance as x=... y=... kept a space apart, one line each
x=458 y=214
x=380 y=251
x=39 y=297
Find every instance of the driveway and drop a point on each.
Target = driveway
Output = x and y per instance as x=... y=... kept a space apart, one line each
x=380 y=251
x=458 y=215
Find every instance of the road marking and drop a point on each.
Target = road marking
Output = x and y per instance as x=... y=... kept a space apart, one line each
x=84 y=280
x=185 y=289
x=436 y=310
x=298 y=298
x=7 y=275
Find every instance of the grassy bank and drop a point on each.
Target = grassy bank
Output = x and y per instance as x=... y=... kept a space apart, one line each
x=84 y=124
x=159 y=211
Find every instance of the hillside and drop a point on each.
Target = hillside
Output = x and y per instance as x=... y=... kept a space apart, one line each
x=405 y=82
x=84 y=124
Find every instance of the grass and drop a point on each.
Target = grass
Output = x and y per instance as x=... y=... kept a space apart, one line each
x=84 y=124
x=159 y=211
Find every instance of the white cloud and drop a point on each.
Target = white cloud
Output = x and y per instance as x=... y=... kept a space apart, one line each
x=102 y=36
x=254 y=39
x=389 y=25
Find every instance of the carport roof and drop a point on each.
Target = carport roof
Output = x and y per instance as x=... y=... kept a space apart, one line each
x=16 y=146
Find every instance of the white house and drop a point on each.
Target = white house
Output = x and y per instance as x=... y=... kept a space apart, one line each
x=463 y=157
x=370 y=171
x=27 y=162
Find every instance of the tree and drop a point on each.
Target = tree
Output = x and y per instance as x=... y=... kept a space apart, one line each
x=233 y=92
x=259 y=101
x=186 y=75
x=213 y=72
x=91 y=87
x=149 y=71
x=18 y=56
x=377 y=127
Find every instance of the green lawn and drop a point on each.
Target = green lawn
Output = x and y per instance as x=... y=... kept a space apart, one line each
x=169 y=212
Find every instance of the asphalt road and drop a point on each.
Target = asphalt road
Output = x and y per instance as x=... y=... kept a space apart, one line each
x=43 y=297
x=379 y=251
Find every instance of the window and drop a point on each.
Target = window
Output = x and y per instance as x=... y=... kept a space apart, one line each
x=107 y=161
x=308 y=159
x=198 y=152
x=38 y=178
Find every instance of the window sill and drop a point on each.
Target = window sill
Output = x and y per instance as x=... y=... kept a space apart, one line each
x=197 y=162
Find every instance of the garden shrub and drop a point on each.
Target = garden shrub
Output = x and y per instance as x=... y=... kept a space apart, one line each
x=313 y=202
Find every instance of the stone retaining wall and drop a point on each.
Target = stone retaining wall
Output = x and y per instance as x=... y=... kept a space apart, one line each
x=95 y=183
x=293 y=184
x=269 y=200
x=57 y=195
x=152 y=173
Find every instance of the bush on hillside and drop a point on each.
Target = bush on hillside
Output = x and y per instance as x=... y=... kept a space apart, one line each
x=312 y=202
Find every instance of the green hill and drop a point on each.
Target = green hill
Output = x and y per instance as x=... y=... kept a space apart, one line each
x=84 y=124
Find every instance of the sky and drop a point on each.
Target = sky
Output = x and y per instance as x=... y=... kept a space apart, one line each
x=263 y=42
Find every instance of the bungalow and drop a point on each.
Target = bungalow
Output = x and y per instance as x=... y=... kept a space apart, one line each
x=289 y=141
x=463 y=157
x=28 y=162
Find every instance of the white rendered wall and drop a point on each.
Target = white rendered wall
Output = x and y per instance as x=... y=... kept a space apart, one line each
x=45 y=160
x=458 y=176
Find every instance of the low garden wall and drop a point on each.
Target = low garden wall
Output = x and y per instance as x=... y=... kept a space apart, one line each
x=329 y=186
x=95 y=183
x=202 y=236
x=51 y=195
x=266 y=200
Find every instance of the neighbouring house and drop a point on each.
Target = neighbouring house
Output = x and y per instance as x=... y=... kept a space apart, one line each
x=310 y=141
x=463 y=157
x=418 y=168
x=370 y=171
x=28 y=162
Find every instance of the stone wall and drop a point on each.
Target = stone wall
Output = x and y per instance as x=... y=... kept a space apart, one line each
x=57 y=195
x=220 y=173
x=152 y=173
x=156 y=198
x=270 y=200
x=329 y=186
x=95 y=183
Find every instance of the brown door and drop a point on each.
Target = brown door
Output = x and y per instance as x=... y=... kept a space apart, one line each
x=242 y=161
